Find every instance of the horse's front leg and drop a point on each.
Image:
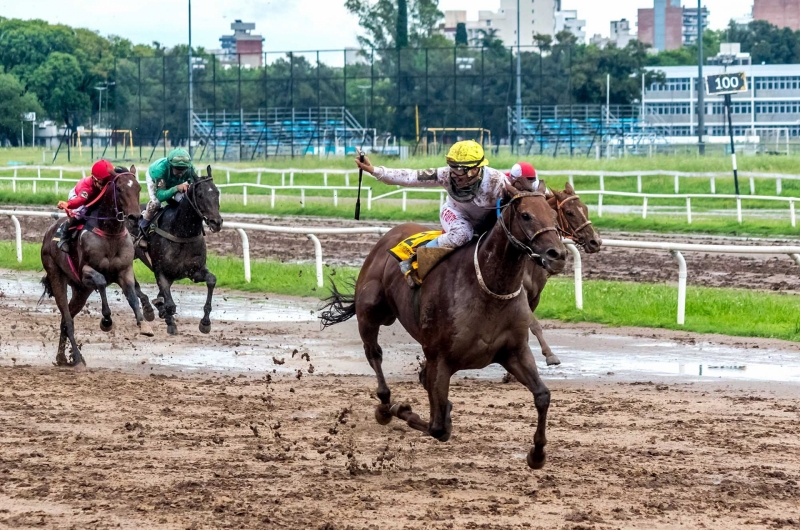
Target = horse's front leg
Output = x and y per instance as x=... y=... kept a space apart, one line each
x=536 y=329
x=164 y=284
x=522 y=366
x=147 y=308
x=127 y=283
x=437 y=383
x=95 y=281
x=203 y=275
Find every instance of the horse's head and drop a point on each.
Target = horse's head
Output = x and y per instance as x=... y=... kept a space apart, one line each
x=530 y=224
x=573 y=219
x=126 y=195
x=204 y=197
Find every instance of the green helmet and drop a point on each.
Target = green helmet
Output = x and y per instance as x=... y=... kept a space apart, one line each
x=179 y=158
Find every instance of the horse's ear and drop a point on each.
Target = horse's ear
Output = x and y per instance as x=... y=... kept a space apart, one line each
x=541 y=186
x=133 y=169
x=509 y=192
x=523 y=185
x=208 y=171
x=568 y=189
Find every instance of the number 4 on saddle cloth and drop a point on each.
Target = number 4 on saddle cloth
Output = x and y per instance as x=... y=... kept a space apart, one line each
x=423 y=259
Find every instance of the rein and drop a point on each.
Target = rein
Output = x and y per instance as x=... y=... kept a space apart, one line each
x=564 y=222
x=483 y=283
x=193 y=202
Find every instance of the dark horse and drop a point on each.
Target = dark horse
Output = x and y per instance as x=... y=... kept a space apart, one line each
x=103 y=254
x=466 y=315
x=177 y=249
x=573 y=222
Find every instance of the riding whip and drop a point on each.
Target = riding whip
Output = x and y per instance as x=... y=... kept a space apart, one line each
x=360 y=177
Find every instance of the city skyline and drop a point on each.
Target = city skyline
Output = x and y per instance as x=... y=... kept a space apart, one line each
x=295 y=25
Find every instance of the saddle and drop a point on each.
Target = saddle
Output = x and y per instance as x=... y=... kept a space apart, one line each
x=423 y=259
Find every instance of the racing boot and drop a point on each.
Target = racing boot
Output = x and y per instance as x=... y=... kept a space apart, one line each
x=62 y=236
x=144 y=225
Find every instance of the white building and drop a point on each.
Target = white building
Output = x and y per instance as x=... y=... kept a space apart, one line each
x=537 y=17
x=620 y=35
x=568 y=21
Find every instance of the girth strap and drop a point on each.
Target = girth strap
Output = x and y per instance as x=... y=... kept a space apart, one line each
x=176 y=239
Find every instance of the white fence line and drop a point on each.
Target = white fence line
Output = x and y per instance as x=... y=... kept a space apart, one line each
x=675 y=249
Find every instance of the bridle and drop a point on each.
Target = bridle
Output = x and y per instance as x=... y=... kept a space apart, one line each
x=118 y=215
x=526 y=249
x=193 y=200
x=563 y=222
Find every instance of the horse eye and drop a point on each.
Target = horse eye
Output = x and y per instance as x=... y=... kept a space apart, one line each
x=526 y=216
x=571 y=214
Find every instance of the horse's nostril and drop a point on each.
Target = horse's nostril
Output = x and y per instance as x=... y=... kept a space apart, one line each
x=554 y=254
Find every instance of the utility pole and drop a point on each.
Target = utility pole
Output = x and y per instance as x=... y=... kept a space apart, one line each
x=701 y=88
x=519 y=82
x=191 y=109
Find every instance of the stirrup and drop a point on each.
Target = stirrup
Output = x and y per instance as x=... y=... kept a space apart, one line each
x=412 y=279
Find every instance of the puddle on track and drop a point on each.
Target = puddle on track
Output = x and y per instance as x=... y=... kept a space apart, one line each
x=339 y=351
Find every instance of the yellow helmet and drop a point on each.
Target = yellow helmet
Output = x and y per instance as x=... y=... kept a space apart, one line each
x=468 y=153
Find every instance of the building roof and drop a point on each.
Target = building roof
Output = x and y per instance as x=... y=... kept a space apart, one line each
x=757 y=70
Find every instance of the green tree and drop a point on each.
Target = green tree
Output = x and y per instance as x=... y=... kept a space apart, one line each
x=765 y=42
x=58 y=82
x=379 y=21
x=15 y=102
x=401 y=39
x=461 y=34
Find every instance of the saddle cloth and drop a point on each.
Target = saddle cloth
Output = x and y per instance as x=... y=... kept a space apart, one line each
x=424 y=258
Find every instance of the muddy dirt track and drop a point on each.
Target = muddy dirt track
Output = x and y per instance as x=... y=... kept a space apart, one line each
x=777 y=273
x=146 y=439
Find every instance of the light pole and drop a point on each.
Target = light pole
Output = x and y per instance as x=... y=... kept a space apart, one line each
x=519 y=80
x=191 y=109
x=100 y=89
x=701 y=88
x=364 y=88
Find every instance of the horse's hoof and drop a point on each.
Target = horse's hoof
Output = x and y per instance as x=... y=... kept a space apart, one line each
x=205 y=328
x=536 y=458
x=149 y=314
x=383 y=415
x=77 y=361
x=106 y=325
x=145 y=329
x=61 y=360
x=552 y=360
x=442 y=434
x=172 y=330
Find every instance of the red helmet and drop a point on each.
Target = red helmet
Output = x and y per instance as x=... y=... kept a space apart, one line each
x=103 y=170
x=522 y=169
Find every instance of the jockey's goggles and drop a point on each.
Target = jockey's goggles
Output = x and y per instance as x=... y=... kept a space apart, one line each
x=462 y=169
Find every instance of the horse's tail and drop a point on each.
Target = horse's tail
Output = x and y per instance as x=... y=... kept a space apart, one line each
x=48 y=289
x=338 y=307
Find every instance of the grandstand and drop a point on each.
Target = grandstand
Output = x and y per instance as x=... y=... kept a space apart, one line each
x=576 y=130
x=284 y=131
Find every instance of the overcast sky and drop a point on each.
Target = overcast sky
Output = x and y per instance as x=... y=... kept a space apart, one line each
x=286 y=24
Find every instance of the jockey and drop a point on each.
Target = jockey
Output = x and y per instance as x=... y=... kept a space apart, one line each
x=84 y=192
x=472 y=191
x=167 y=179
x=524 y=170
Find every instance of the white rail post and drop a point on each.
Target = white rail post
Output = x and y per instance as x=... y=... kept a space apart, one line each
x=244 y=195
x=302 y=197
x=405 y=200
x=681 y=286
x=778 y=186
x=638 y=184
x=325 y=179
x=317 y=257
x=283 y=179
x=34 y=186
x=56 y=187
x=18 y=237
x=677 y=183
x=347 y=179
x=258 y=178
x=291 y=178
x=688 y=210
x=272 y=198
x=369 y=198
x=644 y=208
x=791 y=213
x=228 y=176
x=335 y=198
x=38 y=172
x=796 y=258
x=602 y=183
x=14 y=182
x=441 y=199
x=571 y=181
x=752 y=186
x=600 y=205
x=713 y=185
x=245 y=254
x=576 y=257
x=739 y=209
x=61 y=173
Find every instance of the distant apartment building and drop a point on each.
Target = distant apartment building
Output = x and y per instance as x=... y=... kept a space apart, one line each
x=662 y=25
x=242 y=47
x=620 y=35
x=690 y=24
x=537 y=17
x=569 y=21
x=782 y=13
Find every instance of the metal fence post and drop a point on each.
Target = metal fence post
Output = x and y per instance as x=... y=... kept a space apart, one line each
x=245 y=254
x=577 y=267
x=317 y=258
x=791 y=213
x=644 y=208
x=17 y=237
x=688 y=210
x=681 y=286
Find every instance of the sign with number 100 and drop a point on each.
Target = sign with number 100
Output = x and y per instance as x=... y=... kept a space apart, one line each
x=732 y=83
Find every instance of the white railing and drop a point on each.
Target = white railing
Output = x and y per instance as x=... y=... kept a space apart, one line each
x=675 y=250
x=569 y=173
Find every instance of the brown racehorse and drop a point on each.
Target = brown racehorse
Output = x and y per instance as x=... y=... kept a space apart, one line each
x=466 y=315
x=103 y=254
x=573 y=222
